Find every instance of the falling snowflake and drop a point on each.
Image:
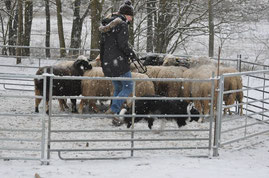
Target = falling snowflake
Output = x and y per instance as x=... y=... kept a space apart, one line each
x=115 y=62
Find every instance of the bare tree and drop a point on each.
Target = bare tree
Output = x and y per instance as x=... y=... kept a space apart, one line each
x=47 y=41
x=60 y=28
x=20 y=31
x=10 y=32
x=77 y=27
x=211 y=29
x=150 y=11
x=28 y=18
x=96 y=12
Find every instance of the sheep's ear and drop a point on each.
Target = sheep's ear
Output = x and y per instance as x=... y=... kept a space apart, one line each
x=89 y=66
x=78 y=63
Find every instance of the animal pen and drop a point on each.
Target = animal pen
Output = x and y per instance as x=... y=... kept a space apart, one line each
x=27 y=135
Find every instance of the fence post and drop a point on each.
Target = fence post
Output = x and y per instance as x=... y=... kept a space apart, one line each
x=133 y=118
x=239 y=61
x=211 y=111
x=219 y=117
x=43 y=145
x=50 y=111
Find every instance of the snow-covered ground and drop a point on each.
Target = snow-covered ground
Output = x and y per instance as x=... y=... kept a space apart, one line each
x=248 y=158
x=245 y=159
x=248 y=162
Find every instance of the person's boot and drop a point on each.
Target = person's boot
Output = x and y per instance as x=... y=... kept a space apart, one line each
x=115 y=121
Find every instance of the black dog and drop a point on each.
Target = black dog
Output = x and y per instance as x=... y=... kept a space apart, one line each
x=161 y=107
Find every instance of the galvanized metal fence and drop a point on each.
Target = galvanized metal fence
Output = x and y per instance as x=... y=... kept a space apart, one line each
x=120 y=142
x=18 y=141
x=91 y=136
x=255 y=117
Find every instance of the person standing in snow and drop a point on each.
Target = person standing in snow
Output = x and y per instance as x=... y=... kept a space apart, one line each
x=115 y=53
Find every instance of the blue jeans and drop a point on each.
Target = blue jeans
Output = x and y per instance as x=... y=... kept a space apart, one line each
x=121 y=89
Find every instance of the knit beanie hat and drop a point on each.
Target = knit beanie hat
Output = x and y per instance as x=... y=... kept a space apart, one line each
x=127 y=8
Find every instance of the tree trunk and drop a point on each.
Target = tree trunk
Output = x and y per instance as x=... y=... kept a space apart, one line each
x=211 y=29
x=60 y=28
x=28 y=15
x=76 y=29
x=149 y=26
x=160 y=28
x=47 y=43
x=20 y=31
x=96 y=11
x=12 y=25
x=4 y=49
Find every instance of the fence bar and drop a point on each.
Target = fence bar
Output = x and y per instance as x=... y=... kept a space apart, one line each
x=128 y=149
x=241 y=127
x=243 y=138
x=131 y=139
x=134 y=130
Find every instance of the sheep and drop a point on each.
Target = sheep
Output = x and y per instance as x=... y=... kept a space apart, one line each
x=137 y=67
x=196 y=89
x=199 y=61
x=142 y=87
x=186 y=85
x=170 y=60
x=166 y=88
x=105 y=87
x=68 y=64
x=163 y=107
x=169 y=88
x=153 y=60
x=232 y=83
x=61 y=87
x=153 y=71
x=94 y=88
x=96 y=62
x=203 y=89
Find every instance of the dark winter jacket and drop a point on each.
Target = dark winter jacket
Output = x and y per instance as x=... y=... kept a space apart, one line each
x=114 y=49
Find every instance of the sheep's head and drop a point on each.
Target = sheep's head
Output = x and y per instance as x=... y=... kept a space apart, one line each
x=193 y=111
x=81 y=64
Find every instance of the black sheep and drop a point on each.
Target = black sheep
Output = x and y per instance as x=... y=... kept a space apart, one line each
x=61 y=87
x=153 y=60
x=161 y=107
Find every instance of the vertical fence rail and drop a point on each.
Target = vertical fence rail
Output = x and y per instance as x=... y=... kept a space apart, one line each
x=49 y=112
x=43 y=145
x=133 y=118
x=219 y=117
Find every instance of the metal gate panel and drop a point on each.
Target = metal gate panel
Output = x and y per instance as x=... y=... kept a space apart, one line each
x=92 y=136
x=255 y=119
x=22 y=132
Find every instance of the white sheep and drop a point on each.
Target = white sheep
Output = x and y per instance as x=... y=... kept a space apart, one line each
x=94 y=88
x=232 y=83
x=203 y=89
x=166 y=88
x=105 y=87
